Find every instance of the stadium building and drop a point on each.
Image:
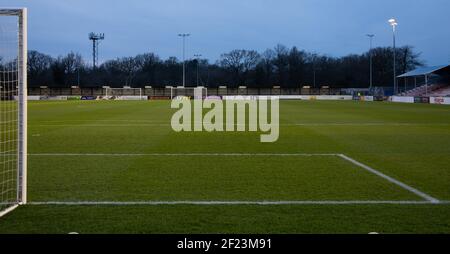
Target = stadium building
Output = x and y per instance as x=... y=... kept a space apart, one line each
x=429 y=81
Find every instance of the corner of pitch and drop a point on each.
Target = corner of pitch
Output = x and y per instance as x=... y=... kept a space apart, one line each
x=213 y=114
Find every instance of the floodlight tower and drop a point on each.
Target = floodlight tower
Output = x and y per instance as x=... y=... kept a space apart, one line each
x=95 y=38
x=393 y=22
x=184 y=60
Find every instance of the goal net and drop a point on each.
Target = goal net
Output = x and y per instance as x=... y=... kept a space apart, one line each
x=188 y=92
x=123 y=93
x=13 y=104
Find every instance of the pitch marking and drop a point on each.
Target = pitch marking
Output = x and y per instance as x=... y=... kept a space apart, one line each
x=8 y=210
x=231 y=203
x=182 y=154
x=390 y=179
x=428 y=198
x=150 y=124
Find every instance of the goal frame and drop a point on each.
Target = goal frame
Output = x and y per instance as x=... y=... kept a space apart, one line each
x=173 y=95
x=122 y=89
x=21 y=13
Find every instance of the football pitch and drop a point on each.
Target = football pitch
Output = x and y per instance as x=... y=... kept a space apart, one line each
x=338 y=167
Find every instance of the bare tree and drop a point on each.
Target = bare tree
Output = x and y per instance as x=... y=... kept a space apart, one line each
x=408 y=58
x=149 y=62
x=129 y=66
x=280 y=63
x=239 y=63
x=38 y=62
x=72 y=63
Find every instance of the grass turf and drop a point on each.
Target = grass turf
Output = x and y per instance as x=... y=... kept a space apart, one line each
x=409 y=142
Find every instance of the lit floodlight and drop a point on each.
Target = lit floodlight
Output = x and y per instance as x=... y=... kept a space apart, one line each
x=393 y=22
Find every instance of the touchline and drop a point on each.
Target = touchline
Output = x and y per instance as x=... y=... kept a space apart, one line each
x=208 y=115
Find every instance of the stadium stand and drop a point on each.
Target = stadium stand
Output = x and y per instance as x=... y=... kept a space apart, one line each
x=441 y=92
x=423 y=90
x=436 y=81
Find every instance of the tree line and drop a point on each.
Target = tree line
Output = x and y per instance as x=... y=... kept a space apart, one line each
x=279 y=66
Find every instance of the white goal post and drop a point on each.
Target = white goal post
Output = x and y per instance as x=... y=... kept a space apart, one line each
x=125 y=92
x=188 y=92
x=13 y=108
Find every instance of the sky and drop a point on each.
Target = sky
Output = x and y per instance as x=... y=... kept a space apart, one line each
x=331 y=27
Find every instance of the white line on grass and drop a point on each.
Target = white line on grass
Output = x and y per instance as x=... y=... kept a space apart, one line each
x=231 y=203
x=8 y=210
x=390 y=179
x=180 y=154
x=429 y=199
x=149 y=124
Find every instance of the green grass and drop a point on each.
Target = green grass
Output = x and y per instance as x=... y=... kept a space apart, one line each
x=207 y=178
x=410 y=142
x=228 y=219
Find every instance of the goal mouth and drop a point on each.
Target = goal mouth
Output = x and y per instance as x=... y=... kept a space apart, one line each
x=125 y=93
x=13 y=108
x=188 y=93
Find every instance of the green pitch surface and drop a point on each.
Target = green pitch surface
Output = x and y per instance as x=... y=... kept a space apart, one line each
x=338 y=167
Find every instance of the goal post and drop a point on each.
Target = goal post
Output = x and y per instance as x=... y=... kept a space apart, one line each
x=127 y=92
x=13 y=108
x=188 y=92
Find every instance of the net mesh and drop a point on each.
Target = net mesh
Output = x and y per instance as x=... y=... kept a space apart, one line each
x=189 y=92
x=9 y=82
x=123 y=91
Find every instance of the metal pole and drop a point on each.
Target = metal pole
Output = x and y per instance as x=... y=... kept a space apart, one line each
x=371 y=63
x=184 y=60
x=395 y=63
x=314 y=70
x=371 y=70
x=406 y=84
x=394 y=23
x=93 y=54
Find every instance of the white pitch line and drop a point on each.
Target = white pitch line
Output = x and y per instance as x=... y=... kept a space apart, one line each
x=428 y=198
x=390 y=179
x=231 y=203
x=182 y=154
x=8 y=210
x=149 y=124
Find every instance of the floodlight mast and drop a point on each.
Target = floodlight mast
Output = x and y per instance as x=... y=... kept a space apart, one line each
x=371 y=62
x=393 y=22
x=95 y=38
x=184 y=60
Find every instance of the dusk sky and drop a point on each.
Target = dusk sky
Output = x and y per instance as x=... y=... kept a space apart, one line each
x=333 y=27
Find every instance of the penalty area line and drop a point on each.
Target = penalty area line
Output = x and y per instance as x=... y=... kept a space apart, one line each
x=183 y=154
x=390 y=179
x=231 y=203
x=428 y=198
